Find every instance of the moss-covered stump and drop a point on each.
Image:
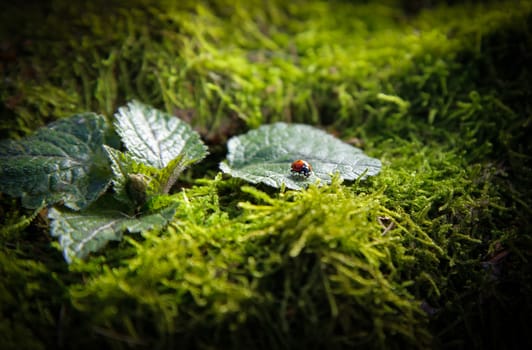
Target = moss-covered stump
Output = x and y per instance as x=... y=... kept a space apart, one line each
x=434 y=252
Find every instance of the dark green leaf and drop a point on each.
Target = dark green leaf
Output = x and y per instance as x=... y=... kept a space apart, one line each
x=81 y=233
x=266 y=154
x=61 y=162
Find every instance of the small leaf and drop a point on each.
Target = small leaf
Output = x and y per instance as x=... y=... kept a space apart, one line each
x=266 y=154
x=156 y=138
x=81 y=233
x=134 y=182
x=61 y=162
x=168 y=175
x=126 y=171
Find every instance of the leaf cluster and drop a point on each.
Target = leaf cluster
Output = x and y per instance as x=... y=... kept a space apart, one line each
x=65 y=163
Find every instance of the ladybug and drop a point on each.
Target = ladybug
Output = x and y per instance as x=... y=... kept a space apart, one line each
x=301 y=167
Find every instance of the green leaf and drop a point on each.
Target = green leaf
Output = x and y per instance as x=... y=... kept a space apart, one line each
x=168 y=175
x=135 y=182
x=130 y=176
x=61 y=162
x=156 y=138
x=266 y=154
x=81 y=233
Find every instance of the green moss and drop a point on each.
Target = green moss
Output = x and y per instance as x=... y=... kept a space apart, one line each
x=282 y=260
x=433 y=252
x=32 y=295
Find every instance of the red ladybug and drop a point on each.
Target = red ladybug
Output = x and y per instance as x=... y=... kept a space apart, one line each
x=301 y=167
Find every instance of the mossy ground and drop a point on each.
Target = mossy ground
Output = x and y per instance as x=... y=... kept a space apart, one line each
x=434 y=252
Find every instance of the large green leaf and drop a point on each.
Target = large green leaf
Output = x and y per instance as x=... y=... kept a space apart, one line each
x=81 y=233
x=61 y=162
x=266 y=154
x=156 y=138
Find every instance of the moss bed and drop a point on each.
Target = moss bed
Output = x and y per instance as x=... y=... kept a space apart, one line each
x=434 y=252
